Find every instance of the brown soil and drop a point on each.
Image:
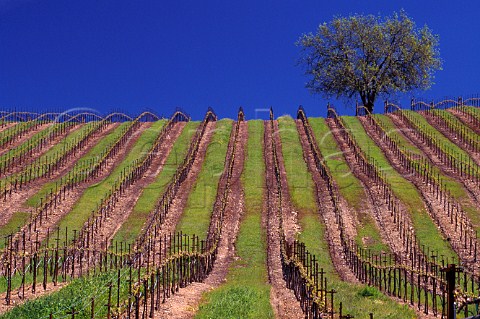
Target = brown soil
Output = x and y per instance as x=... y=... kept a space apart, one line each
x=380 y=213
x=17 y=202
x=180 y=201
x=434 y=121
x=70 y=199
x=19 y=140
x=185 y=303
x=18 y=167
x=289 y=215
x=408 y=132
x=283 y=301
x=127 y=201
x=462 y=116
x=435 y=207
x=7 y=126
x=327 y=213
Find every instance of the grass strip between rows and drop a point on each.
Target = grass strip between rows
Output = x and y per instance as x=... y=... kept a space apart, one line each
x=31 y=143
x=457 y=190
x=93 y=195
x=475 y=111
x=349 y=186
x=358 y=300
x=446 y=145
x=7 y=134
x=246 y=293
x=426 y=230
x=58 y=150
x=151 y=193
x=455 y=123
x=93 y=153
x=196 y=215
x=77 y=295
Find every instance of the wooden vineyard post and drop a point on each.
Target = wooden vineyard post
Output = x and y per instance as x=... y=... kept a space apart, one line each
x=450 y=272
x=73 y=312
x=9 y=271
x=118 y=288
x=109 y=304
x=92 y=313
x=331 y=292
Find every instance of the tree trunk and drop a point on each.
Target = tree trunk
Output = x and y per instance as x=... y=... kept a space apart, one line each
x=369 y=106
x=368 y=101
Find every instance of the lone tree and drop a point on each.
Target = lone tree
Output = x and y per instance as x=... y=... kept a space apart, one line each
x=369 y=55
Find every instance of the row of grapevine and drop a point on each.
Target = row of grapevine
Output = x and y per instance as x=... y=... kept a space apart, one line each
x=83 y=171
x=46 y=165
x=465 y=244
x=159 y=213
x=421 y=282
x=464 y=167
x=23 y=152
x=464 y=136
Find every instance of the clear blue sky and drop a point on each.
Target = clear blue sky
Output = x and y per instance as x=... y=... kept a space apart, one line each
x=136 y=55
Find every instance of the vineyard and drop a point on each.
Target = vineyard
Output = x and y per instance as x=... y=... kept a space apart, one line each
x=371 y=216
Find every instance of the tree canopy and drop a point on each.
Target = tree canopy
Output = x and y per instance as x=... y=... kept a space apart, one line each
x=370 y=56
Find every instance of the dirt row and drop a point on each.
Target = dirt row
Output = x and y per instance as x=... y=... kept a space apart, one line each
x=179 y=203
x=327 y=212
x=462 y=116
x=185 y=303
x=379 y=209
x=283 y=301
x=127 y=201
x=434 y=206
x=71 y=198
x=20 y=296
x=435 y=122
x=17 y=201
x=408 y=133
x=26 y=136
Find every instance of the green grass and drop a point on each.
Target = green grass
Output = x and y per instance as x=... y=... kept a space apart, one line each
x=69 y=139
x=17 y=220
x=349 y=186
x=455 y=123
x=472 y=110
x=76 y=294
x=153 y=192
x=196 y=216
x=53 y=155
x=246 y=293
x=302 y=191
x=300 y=182
x=30 y=143
x=93 y=195
x=355 y=301
x=426 y=231
x=392 y=131
x=445 y=144
x=457 y=190
x=101 y=146
x=7 y=134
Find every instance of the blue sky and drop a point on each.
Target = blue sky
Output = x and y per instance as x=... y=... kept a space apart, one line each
x=158 y=55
